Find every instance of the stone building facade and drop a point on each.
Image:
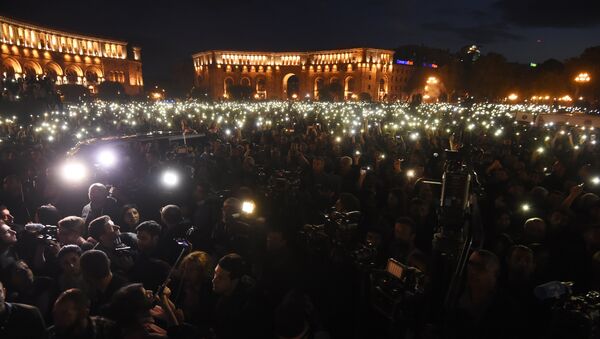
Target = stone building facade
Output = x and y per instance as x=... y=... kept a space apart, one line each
x=354 y=72
x=29 y=50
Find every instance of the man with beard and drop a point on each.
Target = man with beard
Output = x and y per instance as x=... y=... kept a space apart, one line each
x=72 y=319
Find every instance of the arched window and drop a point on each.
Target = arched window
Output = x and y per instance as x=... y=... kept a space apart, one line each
x=71 y=76
x=260 y=85
x=91 y=77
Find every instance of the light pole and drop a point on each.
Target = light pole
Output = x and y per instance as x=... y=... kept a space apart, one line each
x=580 y=79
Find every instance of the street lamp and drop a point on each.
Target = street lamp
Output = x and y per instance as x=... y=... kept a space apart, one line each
x=432 y=80
x=580 y=79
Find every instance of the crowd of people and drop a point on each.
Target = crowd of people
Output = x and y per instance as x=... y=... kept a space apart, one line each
x=229 y=248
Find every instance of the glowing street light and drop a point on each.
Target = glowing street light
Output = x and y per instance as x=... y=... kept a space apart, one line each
x=513 y=97
x=583 y=77
x=432 y=80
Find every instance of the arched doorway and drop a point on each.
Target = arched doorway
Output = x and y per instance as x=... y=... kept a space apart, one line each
x=261 y=88
x=382 y=89
x=291 y=86
x=93 y=76
x=53 y=72
x=11 y=68
x=73 y=74
x=31 y=70
x=336 y=89
x=227 y=87
x=317 y=87
x=349 y=87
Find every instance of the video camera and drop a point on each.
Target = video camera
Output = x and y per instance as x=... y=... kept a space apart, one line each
x=43 y=233
x=397 y=290
x=337 y=235
x=574 y=316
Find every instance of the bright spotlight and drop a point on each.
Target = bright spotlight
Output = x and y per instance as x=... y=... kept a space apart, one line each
x=525 y=207
x=107 y=158
x=73 y=172
x=248 y=207
x=410 y=173
x=170 y=178
x=595 y=180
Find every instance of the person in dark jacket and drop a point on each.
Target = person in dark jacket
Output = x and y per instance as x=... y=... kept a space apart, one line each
x=19 y=320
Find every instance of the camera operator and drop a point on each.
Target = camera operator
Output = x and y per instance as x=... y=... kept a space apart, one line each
x=47 y=215
x=484 y=310
x=402 y=243
x=204 y=215
x=229 y=234
x=109 y=240
x=100 y=204
x=70 y=231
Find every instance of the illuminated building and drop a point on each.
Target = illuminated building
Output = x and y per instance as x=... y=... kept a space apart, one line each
x=67 y=58
x=351 y=73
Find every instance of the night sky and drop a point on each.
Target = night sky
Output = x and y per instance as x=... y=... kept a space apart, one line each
x=170 y=31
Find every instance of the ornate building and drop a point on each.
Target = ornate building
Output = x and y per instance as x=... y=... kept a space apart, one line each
x=68 y=58
x=345 y=74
